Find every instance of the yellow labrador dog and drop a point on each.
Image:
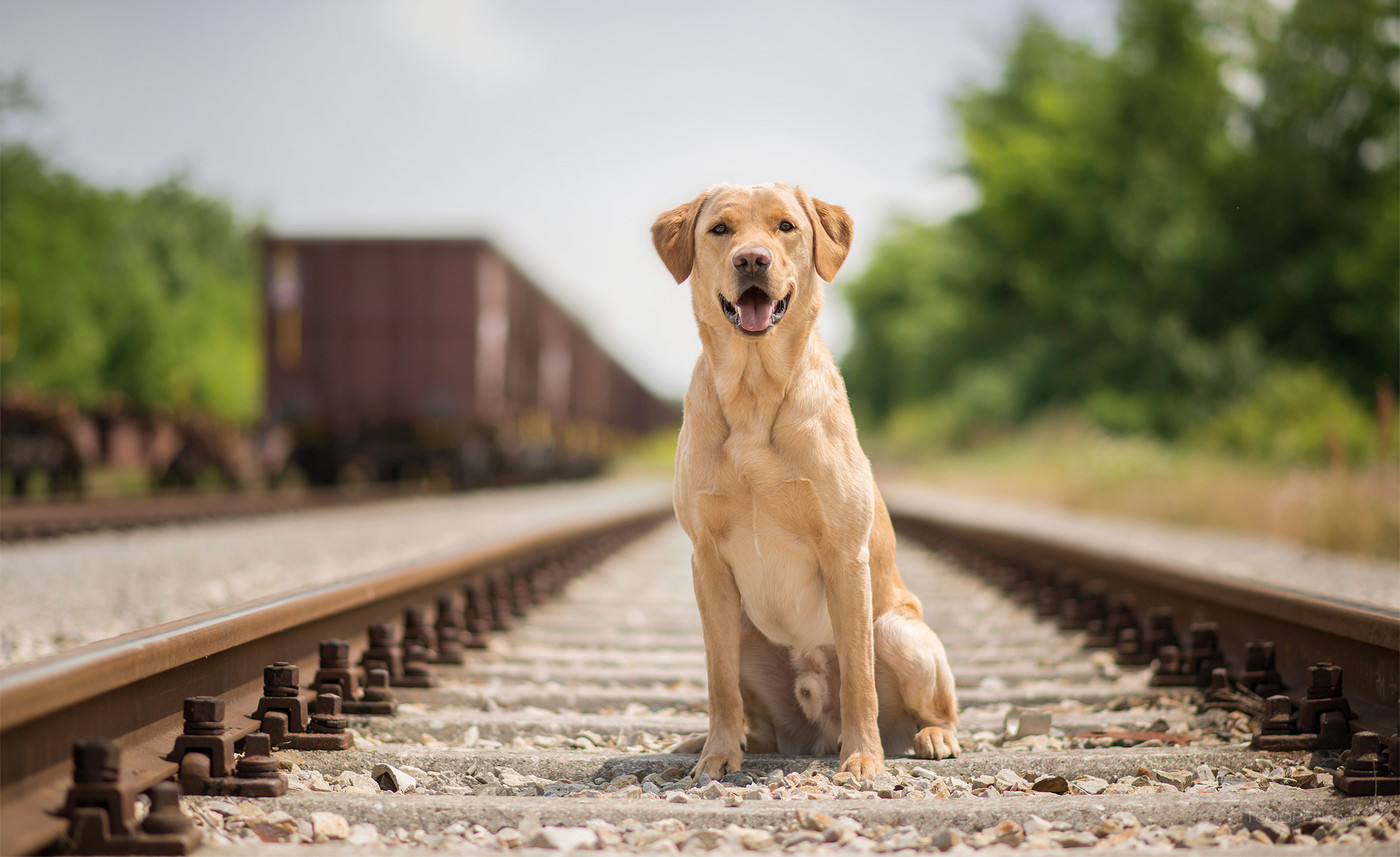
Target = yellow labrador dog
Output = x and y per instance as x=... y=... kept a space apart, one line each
x=813 y=645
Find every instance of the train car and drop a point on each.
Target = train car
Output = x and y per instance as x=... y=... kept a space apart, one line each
x=43 y=437
x=50 y=436
x=394 y=358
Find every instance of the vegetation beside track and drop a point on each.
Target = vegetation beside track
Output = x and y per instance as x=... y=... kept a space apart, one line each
x=1068 y=464
x=1189 y=236
x=150 y=296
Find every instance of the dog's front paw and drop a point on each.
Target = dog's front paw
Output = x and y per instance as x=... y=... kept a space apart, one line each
x=864 y=766
x=718 y=764
x=936 y=742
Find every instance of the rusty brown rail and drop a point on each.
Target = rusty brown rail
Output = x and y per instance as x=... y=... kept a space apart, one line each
x=1305 y=628
x=132 y=687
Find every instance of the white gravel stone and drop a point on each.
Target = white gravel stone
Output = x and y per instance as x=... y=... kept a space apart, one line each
x=1088 y=785
x=609 y=835
x=393 y=779
x=313 y=780
x=222 y=807
x=1035 y=824
x=363 y=834
x=329 y=825
x=1009 y=780
x=513 y=779
x=1074 y=839
x=564 y=838
x=713 y=791
x=356 y=782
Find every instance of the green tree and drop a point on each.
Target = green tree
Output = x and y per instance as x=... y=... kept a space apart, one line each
x=150 y=295
x=1315 y=209
x=50 y=228
x=1149 y=240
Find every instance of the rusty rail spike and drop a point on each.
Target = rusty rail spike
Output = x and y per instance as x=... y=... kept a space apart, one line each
x=449 y=627
x=101 y=808
x=418 y=636
x=1260 y=670
x=1373 y=767
x=284 y=709
x=1323 y=718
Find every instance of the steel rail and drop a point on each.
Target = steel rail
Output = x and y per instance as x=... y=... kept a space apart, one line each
x=132 y=687
x=1306 y=628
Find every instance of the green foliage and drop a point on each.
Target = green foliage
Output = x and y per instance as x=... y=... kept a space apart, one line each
x=980 y=405
x=150 y=295
x=1150 y=241
x=1295 y=415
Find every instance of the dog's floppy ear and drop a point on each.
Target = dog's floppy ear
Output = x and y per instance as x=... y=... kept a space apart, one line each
x=673 y=234
x=831 y=235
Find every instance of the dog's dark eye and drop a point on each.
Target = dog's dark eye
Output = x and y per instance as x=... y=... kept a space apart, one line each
x=719 y=229
x=786 y=226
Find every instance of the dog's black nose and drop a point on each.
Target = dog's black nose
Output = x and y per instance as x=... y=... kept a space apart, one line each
x=752 y=259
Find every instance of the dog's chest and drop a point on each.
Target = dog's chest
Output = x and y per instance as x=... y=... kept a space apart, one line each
x=767 y=531
x=779 y=579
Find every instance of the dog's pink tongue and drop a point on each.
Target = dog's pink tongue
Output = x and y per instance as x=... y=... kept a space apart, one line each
x=754 y=311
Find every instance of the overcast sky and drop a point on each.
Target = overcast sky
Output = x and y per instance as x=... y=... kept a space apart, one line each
x=557 y=129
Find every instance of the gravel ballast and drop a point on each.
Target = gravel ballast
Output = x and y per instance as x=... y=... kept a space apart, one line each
x=61 y=593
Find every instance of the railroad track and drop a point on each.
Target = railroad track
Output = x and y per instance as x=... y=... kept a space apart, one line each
x=22 y=520
x=554 y=734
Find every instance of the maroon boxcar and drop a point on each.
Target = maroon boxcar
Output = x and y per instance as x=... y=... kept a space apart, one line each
x=400 y=358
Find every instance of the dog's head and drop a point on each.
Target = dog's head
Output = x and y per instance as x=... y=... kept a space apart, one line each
x=754 y=255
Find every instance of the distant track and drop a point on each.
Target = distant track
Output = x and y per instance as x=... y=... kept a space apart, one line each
x=21 y=520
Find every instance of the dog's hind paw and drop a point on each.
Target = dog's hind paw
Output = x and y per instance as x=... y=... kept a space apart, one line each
x=936 y=742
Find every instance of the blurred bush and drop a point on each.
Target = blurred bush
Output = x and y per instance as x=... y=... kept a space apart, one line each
x=1295 y=416
x=980 y=406
x=149 y=295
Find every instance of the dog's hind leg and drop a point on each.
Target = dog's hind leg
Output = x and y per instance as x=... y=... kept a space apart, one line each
x=689 y=745
x=910 y=650
x=755 y=742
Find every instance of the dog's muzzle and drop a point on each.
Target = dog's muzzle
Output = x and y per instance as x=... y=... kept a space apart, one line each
x=755 y=313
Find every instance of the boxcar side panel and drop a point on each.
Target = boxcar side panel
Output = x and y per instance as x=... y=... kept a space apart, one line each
x=434 y=340
x=450 y=335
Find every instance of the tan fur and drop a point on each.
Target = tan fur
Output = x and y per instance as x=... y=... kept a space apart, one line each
x=812 y=642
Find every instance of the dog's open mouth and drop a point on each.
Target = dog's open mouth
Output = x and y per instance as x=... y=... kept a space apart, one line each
x=755 y=312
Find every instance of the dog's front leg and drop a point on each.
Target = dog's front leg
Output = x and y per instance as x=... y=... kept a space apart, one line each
x=718 y=598
x=848 y=600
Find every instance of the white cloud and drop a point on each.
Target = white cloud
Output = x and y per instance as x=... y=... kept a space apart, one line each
x=470 y=40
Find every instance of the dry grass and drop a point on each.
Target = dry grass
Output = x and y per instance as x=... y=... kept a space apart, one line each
x=653 y=455
x=1338 y=509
